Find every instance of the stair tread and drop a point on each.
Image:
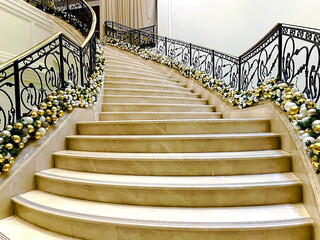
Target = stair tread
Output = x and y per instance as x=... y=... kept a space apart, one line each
x=177 y=121
x=159 y=104
x=16 y=228
x=151 y=73
x=272 y=216
x=154 y=97
x=173 y=182
x=243 y=155
x=176 y=136
x=147 y=84
x=150 y=90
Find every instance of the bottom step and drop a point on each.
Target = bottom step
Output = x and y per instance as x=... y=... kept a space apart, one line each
x=14 y=228
x=93 y=220
x=111 y=116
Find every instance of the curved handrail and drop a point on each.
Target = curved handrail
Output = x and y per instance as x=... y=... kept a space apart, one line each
x=30 y=76
x=93 y=25
x=287 y=51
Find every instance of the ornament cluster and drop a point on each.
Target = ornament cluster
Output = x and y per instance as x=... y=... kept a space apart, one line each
x=301 y=112
x=35 y=125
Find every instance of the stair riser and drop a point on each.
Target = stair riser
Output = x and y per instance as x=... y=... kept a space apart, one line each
x=130 y=64
x=224 y=197
x=129 y=99
x=136 y=74
x=181 y=167
x=173 y=145
x=156 y=108
x=133 y=69
x=145 y=86
x=86 y=229
x=172 y=128
x=156 y=116
x=141 y=80
x=116 y=91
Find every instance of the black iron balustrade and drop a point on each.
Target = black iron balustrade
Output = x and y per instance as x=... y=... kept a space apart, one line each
x=287 y=51
x=26 y=80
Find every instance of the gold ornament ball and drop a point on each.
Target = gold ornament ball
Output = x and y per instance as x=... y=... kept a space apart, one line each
x=60 y=114
x=2 y=158
x=315 y=158
x=19 y=126
x=311 y=104
x=38 y=135
x=53 y=118
x=49 y=112
x=50 y=98
x=58 y=108
x=54 y=93
x=6 y=167
x=11 y=160
x=16 y=138
x=30 y=129
x=43 y=106
x=21 y=145
x=301 y=101
x=288 y=98
x=69 y=108
x=315 y=164
x=294 y=110
x=38 y=123
x=49 y=104
x=316 y=148
x=317 y=129
x=34 y=114
x=48 y=119
x=40 y=112
x=8 y=146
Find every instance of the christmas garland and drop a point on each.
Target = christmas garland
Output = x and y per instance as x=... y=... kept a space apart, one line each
x=34 y=125
x=302 y=112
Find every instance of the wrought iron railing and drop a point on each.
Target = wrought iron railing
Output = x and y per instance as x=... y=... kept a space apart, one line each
x=287 y=51
x=27 y=79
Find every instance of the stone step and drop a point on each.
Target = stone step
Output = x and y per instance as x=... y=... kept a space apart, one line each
x=152 y=99
x=133 y=70
x=142 y=80
x=137 y=74
x=149 y=92
x=14 y=228
x=132 y=85
x=130 y=64
x=115 y=116
x=182 y=191
x=148 y=107
x=95 y=220
x=176 y=164
x=129 y=68
x=189 y=126
x=124 y=60
x=175 y=143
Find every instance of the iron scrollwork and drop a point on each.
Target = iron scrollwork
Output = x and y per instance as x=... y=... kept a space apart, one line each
x=301 y=59
x=26 y=82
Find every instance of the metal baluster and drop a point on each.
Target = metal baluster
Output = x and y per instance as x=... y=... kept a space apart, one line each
x=239 y=76
x=165 y=46
x=190 y=49
x=61 y=73
x=213 y=73
x=280 y=50
x=17 y=89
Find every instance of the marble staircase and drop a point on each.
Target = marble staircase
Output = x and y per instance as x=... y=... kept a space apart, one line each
x=162 y=164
